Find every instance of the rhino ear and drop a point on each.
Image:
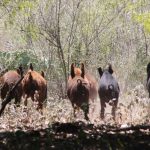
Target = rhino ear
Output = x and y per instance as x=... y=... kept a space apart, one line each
x=110 y=69
x=42 y=74
x=100 y=71
x=18 y=71
x=31 y=66
x=72 y=70
x=21 y=70
x=148 y=67
x=148 y=71
x=82 y=70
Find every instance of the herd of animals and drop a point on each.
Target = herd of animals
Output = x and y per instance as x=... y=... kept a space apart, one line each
x=82 y=87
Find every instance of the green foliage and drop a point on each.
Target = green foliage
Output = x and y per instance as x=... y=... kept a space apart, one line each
x=13 y=59
x=139 y=14
x=25 y=5
x=143 y=19
x=32 y=30
x=5 y=2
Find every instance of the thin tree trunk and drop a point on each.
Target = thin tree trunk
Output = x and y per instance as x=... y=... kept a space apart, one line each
x=59 y=46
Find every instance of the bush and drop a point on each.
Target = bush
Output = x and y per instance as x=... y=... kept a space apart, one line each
x=12 y=59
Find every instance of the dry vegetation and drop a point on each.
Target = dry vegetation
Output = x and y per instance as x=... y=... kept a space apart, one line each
x=56 y=128
x=133 y=109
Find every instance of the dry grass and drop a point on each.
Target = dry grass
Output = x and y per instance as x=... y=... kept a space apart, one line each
x=133 y=109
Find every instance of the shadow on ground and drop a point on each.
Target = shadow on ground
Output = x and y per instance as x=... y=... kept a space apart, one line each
x=78 y=135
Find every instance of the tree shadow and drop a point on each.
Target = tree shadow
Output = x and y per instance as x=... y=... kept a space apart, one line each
x=77 y=135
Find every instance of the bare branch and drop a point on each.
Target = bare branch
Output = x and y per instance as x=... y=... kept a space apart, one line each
x=9 y=95
x=106 y=26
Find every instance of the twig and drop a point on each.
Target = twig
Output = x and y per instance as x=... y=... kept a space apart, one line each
x=9 y=96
